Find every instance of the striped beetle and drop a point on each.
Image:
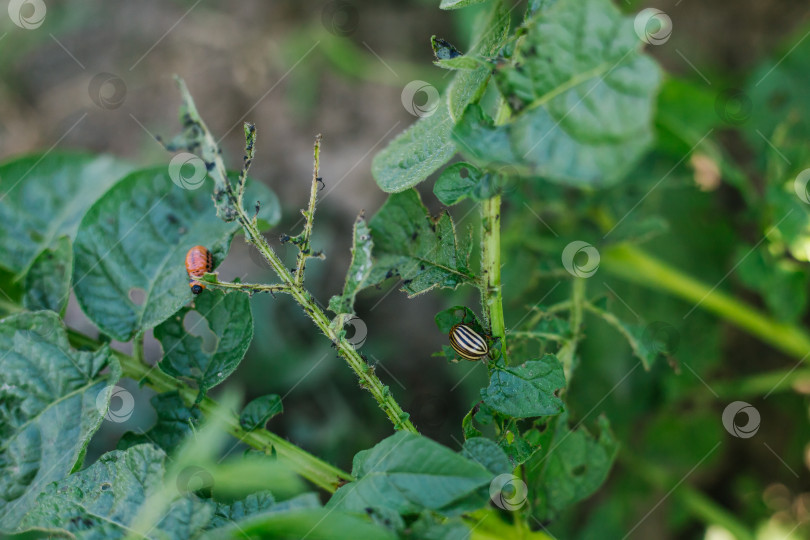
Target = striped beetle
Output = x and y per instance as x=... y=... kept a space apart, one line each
x=467 y=343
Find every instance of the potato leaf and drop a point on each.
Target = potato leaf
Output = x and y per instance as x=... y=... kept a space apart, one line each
x=423 y=251
x=54 y=398
x=43 y=197
x=409 y=473
x=229 y=317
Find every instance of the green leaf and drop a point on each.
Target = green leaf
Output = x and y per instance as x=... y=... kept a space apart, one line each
x=782 y=282
x=423 y=251
x=44 y=197
x=47 y=283
x=229 y=317
x=572 y=467
x=448 y=318
x=359 y=269
x=488 y=454
x=481 y=141
x=526 y=390
x=431 y=527
x=106 y=498
x=408 y=473
x=313 y=524
x=489 y=34
x=642 y=344
x=457 y=182
x=517 y=448
x=175 y=422
x=261 y=503
x=457 y=4
x=129 y=269
x=582 y=93
x=54 y=398
x=415 y=153
x=259 y=411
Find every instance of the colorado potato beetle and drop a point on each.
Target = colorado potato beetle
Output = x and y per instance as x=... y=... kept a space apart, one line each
x=198 y=261
x=467 y=343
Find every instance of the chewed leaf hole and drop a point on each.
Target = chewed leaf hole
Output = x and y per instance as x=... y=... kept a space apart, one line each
x=196 y=325
x=137 y=295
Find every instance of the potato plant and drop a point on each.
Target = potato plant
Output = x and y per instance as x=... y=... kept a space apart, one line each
x=554 y=129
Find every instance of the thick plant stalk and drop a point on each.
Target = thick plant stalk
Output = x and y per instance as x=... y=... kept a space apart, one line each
x=492 y=294
x=491 y=291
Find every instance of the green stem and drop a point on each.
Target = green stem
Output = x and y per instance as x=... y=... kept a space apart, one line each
x=761 y=383
x=633 y=264
x=567 y=351
x=248 y=287
x=492 y=294
x=320 y=473
x=304 y=248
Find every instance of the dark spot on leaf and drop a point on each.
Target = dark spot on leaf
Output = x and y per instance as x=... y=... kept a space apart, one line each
x=464 y=172
x=106 y=486
x=579 y=470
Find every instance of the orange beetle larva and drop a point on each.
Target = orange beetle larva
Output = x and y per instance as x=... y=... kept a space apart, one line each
x=198 y=261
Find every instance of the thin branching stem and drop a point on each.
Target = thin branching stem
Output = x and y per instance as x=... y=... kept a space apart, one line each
x=303 y=241
x=229 y=208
